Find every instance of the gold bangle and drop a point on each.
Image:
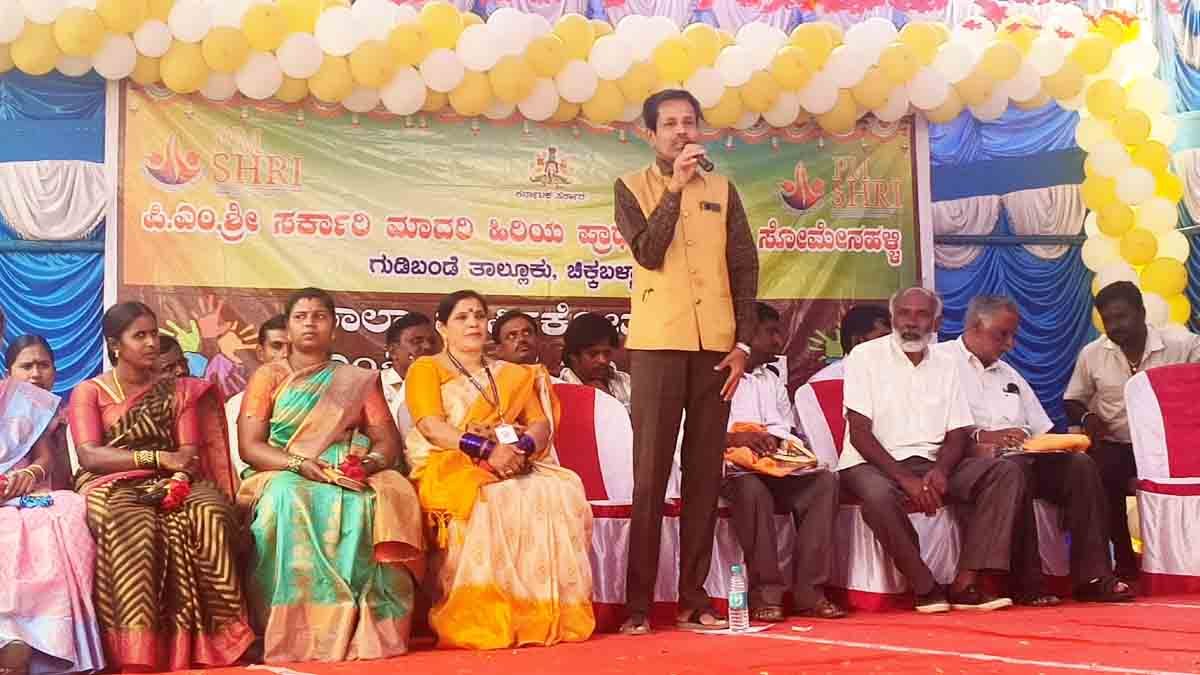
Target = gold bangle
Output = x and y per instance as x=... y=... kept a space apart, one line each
x=294 y=462
x=157 y=466
x=143 y=459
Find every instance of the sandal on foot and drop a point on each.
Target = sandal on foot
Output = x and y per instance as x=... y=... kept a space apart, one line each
x=636 y=624
x=702 y=619
x=768 y=614
x=1106 y=589
x=824 y=609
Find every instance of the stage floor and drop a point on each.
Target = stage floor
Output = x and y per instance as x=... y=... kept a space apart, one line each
x=1158 y=635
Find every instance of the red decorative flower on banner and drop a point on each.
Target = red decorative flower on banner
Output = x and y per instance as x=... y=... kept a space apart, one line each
x=994 y=11
x=919 y=5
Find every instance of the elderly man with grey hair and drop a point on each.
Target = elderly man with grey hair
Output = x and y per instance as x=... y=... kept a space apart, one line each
x=908 y=422
x=1007 y=412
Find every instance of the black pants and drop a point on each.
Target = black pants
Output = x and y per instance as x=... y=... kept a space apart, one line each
x=1117 y=469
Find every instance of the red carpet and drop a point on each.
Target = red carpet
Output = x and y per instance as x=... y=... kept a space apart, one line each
x=1155 y=635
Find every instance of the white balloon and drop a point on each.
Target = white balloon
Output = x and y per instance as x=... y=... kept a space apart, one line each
x=1173 y=245
x=539 y=25
x=511 y=30
x=661 y=28
x=1149 y=94
x=1091 y=225
x=478 y=48
x=785 y=111
x=1114 y=272
x=871 y=37
x=361 y=100
x=577 y=81
x=73 y=66
x=1099 y=252
x=336 y=32
x=747 y=120
x=993 y=108
x=736 y=65
x=707 y=86
x=405 y=93
x=1158 y=312
x=229 y=13
x=219 y=87
x=954 y=61
x=300 y=56
x=1069 y=17
x=896 y=105
x=116 y=58
x=1047 y=55
x=1024 y=85
x=12 y=20
x=1109 y=158
x=1163 y=129
x=611 y=56
x=762 y=41
x=631 y=112
x=43 y=11
x=541 y=102
x=1140 y=58
x=374 y=19
x=1135 y=185
x=406 y=14
x=500 y=110
x=152 y=38
x=820 y=95
x=928 y=89
x=260 y=76
x=847 y=65
x=632 y=25
x=85 y=4
x=189 y=20
x=442 y=70
x=1091 y=132
x=1157 y=214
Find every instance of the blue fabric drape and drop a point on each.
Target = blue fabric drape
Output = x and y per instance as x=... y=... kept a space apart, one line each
x=1017 y=134
x=58 y=296
x=51 y=117
x=1001 y=176
x=1056 y=305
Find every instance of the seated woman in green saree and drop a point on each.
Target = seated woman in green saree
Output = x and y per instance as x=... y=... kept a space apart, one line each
x=337 y=531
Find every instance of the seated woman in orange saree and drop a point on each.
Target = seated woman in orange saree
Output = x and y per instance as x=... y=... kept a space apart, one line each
x=513 y=528
x=167 y=586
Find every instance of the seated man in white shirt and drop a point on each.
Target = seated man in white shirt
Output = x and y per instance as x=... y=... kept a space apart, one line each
x=588 y=347
x=907 y=426
x=811 y=498
x=1007 y=412
x=273 y=345
x=408 y=338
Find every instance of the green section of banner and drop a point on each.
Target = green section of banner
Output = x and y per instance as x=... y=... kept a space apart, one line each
x=254 y=197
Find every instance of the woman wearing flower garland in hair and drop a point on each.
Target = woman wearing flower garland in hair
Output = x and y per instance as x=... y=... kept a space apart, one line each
x=337 y=531
x=155 y=470
x=47 y=622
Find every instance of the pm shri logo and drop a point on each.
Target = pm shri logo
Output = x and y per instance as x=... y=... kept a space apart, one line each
x=550 y=168
x=800 y=193
x=175 y=168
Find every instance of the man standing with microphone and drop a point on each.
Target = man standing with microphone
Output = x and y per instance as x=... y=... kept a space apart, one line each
x=694 y=288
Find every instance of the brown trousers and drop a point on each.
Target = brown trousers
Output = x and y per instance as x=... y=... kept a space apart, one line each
x=664 y=384
x=993 y=487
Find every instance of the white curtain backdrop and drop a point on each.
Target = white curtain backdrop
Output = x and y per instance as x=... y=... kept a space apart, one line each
x=53 y=200
x=1057 y=209
x=969 y=215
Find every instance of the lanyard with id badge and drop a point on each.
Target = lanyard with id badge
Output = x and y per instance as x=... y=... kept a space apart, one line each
x=505 y=432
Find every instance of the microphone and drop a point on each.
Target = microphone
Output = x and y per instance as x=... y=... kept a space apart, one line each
x=704 y=162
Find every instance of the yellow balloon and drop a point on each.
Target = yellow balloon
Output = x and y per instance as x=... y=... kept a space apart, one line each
x=292 y=90
x=1066 y=83
x=898 y=63
x=471 y=19
x=950 y=109
x=1115 y=219
x=976 y=88
x=333 y=81
x=1132 y=31
x=923 y=39
x=835 y=32
x=145 y=71
x=1139 y=246
x=674 y=62
x=1105 y=99
x=601 y=27
x=442 y=22
x=265 y=27
x=371 y=64
x=814 y=39
x=1132 y=127
x=35 y=52
x=577 y=34
x=606 y=104
x=435 y=101
x=123 y=16
x=727 y=38
x=873 y=89
x=326 y=4
x=1098 y=192
x=225 y=49
x=160 y=9
x=1092 y=53
x=565 y=112
x=472 y=96
x=183 y=69
x=512 y=79
x=844 y=116
x=1153 y=156
x=639 y=81
x=301 y=15
x=760 y=93
x=1179 y=309
x=79 y=31
x=6 y=62
x=547 y=54
x=410 y=44
x=1000 y=61
x=1097 y=321
x=726 y=111
x=792 y=67
x=1165 y=276
x=1111 y=28
x=1168 y=186
x=1020 y=32
x=703 y=43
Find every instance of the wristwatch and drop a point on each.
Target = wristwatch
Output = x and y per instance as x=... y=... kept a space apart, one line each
x=744 y=347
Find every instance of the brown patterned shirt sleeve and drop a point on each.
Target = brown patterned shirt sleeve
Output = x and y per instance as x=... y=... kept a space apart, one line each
x=648 y=239
x=741 y=259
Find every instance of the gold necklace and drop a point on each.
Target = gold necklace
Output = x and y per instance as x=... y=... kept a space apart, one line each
x=120 y=389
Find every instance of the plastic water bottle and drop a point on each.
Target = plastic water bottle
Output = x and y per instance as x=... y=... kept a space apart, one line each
x=739 y=602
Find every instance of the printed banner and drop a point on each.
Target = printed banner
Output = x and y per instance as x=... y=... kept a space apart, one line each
x=232 y=204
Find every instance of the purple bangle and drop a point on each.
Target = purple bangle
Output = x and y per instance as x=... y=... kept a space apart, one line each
x=488 y=447
x=472 y=444
x=526 y=444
